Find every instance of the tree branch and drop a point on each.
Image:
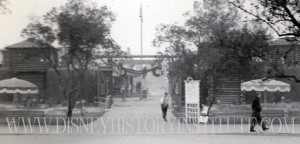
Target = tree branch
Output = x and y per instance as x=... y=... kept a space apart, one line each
x=263 y=20
x=294 y=20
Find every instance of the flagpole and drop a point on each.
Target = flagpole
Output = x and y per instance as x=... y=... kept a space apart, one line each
x=141 y=18
x=142 y=80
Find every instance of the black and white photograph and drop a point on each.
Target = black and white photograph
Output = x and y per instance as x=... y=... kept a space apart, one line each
x=149 y=71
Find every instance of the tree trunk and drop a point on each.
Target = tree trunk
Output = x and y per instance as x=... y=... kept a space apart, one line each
x=70 y=106
x=70 y=111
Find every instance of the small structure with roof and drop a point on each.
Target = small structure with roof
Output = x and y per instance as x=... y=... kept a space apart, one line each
x=289 y=46
x=17 y=87
x=26 y=60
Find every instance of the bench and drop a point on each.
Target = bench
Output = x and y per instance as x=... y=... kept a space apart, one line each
x=264 y=113
x=21 y=113
x=10 y=114
x=294 y=113
x=230 y=114
x=273 y=113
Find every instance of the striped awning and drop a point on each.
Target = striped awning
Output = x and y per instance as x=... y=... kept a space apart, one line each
x=269 y=85
x=15 y=85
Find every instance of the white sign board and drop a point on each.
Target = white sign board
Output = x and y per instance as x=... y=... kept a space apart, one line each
x=192 y=91
x=192 y=100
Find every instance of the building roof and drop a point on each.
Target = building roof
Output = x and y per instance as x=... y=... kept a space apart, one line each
x=24 y=44
x=282 y=41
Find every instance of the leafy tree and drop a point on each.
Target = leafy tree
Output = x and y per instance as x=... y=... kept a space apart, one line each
x=280 y=15
x=82 y=31
x=208 y=21
x=213 y=41
x=239 y=49
x=283 y=17
x=213 y=38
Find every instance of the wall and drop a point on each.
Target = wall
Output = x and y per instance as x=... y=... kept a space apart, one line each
x=89 y=88
x=27 y=59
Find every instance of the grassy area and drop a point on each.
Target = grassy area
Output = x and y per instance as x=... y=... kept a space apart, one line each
x=85 y=112
x=291 y=109
x=16 y=110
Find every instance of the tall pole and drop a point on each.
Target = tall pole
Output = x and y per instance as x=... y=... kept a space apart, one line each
x=142 y=80
x=141 y=17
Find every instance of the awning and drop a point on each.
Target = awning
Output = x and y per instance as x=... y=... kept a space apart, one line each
x=15 y=85
x=269 y=85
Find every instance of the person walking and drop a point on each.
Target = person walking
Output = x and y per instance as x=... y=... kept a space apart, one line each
x=129 y=89
x=165 y=102
x=256 y=117
x=122 y=90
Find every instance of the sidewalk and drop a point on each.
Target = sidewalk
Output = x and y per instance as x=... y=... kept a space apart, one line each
x=134 y=107
x=144 y=116
x=136 y=116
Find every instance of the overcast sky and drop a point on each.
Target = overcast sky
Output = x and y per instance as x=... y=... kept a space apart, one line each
x=125 y=30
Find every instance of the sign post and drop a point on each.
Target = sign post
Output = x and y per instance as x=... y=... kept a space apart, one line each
x=192 y=100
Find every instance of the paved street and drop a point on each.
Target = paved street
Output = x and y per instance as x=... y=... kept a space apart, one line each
x=149 y=139
x=148 y=111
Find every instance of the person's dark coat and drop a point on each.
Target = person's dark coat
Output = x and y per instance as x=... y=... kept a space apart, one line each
x=256 y=107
